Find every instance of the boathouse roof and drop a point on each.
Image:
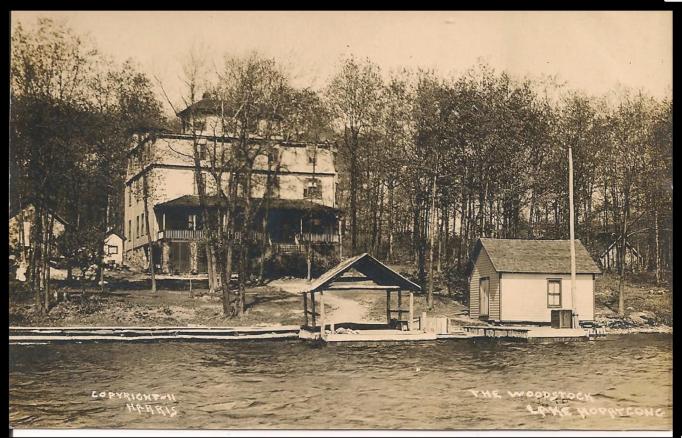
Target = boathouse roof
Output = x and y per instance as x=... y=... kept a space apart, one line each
x=536 y=256
x=375 y=275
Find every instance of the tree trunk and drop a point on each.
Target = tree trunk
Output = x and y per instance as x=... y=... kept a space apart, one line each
x=226 y=278
x=45 y=264
x=353 y=193
x=242 y=269
x=623 y=249
x=145 y=198
x=429 y=297
x=658 y=248
x=210 y=267
x=34 y=260
x=390 y=222
x=377 y=249
x=263 y=245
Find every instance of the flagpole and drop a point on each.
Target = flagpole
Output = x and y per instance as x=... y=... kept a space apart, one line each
x=572 y=235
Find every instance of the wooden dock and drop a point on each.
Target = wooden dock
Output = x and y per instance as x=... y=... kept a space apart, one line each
x=380 y=335
x=529 y=333
x=32 y=335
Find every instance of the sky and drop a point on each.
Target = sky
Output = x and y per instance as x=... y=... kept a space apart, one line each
x=595 y=52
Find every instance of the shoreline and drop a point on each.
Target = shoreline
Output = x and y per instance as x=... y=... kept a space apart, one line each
x=21 y=333
x=661 y=329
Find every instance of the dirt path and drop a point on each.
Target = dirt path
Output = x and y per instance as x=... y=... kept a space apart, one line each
x=338 y=309
x=345 y=310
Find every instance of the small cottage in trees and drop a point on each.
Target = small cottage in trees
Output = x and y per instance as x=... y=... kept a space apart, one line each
x=113 y=248
x=20 y=223
x=609 y=255
x=522 y=281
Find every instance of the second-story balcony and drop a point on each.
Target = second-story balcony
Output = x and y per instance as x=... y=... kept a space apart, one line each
x=315 y=238
x=181 y=234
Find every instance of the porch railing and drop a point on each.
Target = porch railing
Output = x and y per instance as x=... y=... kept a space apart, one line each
x=317 y=238
x=200 y=234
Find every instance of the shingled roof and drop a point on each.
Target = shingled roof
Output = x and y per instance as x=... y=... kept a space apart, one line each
x=536 y=256
x=368 y=266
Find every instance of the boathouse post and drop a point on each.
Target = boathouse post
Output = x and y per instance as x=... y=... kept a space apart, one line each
x=322 y=314
x=400 y=305
x=409 y=321
x=305 y=307
x=312 y=302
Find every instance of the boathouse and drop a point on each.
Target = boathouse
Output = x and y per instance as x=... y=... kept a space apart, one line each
x=363 y=273
x=523 y=281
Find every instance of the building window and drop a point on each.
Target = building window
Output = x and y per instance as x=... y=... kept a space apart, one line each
x=130 y=229
x=137 y=226
x=142 y=227
x=201 y=148
x=484 y=296
x=191 y=222
x=199 y=125
x=113 y=249
x=130 y=195
x=553 y=293
x=313 y=189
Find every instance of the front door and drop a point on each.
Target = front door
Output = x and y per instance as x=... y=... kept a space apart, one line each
x=484 y=296
x=179 y=257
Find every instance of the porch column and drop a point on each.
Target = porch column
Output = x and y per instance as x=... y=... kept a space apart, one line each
x=340 y=240
x=305 y=307
x=400 y=305
x=409 y=321
x=193 y=256
x=163 y=222
x=322 y=314
x=388 y=306
x=165 y=256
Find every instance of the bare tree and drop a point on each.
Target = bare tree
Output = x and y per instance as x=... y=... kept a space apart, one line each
x=354 y=96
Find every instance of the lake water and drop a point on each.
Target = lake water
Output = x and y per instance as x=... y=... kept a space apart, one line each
x=299 y=385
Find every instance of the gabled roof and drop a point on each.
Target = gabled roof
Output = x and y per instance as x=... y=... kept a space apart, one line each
x=203 y=106
x=536 y=256
x=275 y=203
x=112 y=232
x=627 y=245
x=212 y=106
x=367 y=265
x=15 y=210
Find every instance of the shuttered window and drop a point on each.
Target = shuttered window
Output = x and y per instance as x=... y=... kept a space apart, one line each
x=553 y=293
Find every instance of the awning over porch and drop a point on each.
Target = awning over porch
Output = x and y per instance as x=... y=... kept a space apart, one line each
x=192 y=201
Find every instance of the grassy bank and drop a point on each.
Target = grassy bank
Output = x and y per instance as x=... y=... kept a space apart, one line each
x=129 y=302
x=168 y=307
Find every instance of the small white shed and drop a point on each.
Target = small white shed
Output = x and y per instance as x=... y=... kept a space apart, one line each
x=113 y=249
x=522 y=281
